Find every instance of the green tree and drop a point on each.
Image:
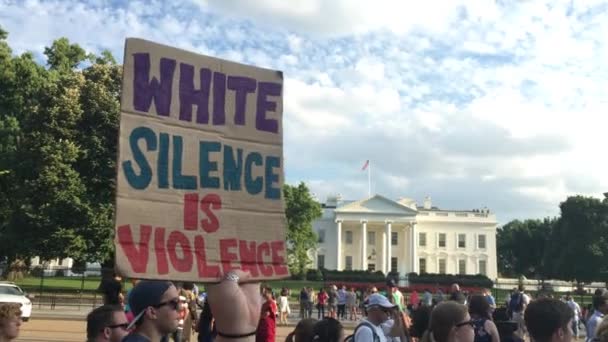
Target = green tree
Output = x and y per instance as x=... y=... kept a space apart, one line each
x=521 y=247
x=300 y=210
x=58 y=134
x=579 y=243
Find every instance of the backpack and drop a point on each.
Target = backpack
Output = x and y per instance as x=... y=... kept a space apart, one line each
x=516 y=304
x=351 y=338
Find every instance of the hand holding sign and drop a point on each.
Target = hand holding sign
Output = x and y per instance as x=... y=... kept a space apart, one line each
x=200 y=167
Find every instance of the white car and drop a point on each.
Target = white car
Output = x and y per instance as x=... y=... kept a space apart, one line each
x=11 y=293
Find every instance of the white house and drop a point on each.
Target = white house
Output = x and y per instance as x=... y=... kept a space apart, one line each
x=381 y=234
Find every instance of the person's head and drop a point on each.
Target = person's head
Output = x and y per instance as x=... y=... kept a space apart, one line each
x=520 y=288
x=451 y=322
x=303 y=332
x=549 y=320
x=479 y=307
x=10 y=321
x=155 y=305
x=455 y=288
x=374 y=289
x=117 y=276
x=378 y=308
x=107 y=323
x=420 y=321
x=322 y=290
x=188 y=286
x=328 y=330
x=600 y=303
x=352 y=289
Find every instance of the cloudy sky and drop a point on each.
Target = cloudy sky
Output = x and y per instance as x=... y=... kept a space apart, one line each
x=475 y=103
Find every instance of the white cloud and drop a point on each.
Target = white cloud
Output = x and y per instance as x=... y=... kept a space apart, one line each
x=473 y=102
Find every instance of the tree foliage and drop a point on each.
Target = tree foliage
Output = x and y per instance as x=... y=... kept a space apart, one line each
x=573 y=246
x=58 y=134
x=300 y=210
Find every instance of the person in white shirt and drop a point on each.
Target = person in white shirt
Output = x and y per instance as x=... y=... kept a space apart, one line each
x=577 y=313
x=378 y=327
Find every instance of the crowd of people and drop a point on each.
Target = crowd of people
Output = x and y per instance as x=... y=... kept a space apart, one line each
x=239 y=310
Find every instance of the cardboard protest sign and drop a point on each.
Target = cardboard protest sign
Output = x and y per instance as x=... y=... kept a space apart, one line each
x=200 y=167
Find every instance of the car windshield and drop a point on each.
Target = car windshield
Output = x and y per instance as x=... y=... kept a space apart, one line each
x=10 y=290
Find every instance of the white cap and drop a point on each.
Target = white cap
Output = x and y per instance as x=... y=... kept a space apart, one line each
x=377 y=299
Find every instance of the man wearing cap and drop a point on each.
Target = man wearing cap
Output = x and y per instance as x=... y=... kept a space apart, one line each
x=378 y=325
x=154 y=305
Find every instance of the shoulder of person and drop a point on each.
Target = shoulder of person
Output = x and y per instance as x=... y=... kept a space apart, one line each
x=135 y=338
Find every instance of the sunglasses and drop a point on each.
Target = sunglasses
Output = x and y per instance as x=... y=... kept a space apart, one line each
x=123 y=326
x=469 y=323
x=172 y=304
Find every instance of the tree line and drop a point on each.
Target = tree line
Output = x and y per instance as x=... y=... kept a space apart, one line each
x=58 y=148
x=572 y=246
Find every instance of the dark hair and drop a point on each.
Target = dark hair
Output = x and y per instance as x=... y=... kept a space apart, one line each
x=599 y=301
x=327 y=330
x=188 y=286
x=479 y=306
x=100 y=318
x=420 y=320
x=545 y=316
x=444 y=317
x=520 y=288
x=303 y=331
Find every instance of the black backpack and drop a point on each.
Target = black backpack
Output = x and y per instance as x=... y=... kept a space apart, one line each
x=351 y=338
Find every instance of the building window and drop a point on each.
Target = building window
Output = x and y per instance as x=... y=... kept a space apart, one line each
x=321 y=235
x=422 y=239
x=320 y=261
x=481 y=241
x=349 y=237
x=394 y=238
x=394 y=265
x=441 y=240
x=348 y=264
x=483 y=264
x=371 y=267
x=442 y=266
x=421 y=266
x=462 y=266
x=462 y=241
x=371 y=238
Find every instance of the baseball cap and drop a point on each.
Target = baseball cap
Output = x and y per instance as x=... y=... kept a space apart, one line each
x=377 y=299
x=145 y=294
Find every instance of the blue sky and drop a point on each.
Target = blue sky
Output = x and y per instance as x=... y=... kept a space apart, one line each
x=474 y=103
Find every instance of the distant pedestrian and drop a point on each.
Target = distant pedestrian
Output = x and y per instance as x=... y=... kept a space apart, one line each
x=576 y=309
x=111 y=289
x=284 y=308
x=106 y=323
x=480 y=311
x=322 y=298
x=267 y=326
x=351 y=304
x=304 y=300
x=600 y=306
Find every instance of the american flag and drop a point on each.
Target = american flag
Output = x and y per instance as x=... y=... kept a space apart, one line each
x=365 y=165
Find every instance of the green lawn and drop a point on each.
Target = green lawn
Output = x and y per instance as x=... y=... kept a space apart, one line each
x=92 y=283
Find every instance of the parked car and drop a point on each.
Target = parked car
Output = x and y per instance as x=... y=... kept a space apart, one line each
x=11 y=293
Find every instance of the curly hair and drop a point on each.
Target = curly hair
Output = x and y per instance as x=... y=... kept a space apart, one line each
x=9 y=311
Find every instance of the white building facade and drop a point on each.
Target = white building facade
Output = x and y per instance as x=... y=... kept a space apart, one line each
x=380 y=234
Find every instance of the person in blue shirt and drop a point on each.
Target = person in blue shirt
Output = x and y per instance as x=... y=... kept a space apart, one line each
x=600 y=305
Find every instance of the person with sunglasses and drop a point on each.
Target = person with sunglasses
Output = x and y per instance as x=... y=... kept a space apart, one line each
x=379 y=325
x=107 y=323
x=450 y=322
x=155 y=305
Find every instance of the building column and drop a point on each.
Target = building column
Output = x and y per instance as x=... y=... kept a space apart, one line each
x=364 y=245
x=388 y=245
x=383 y=252
x=405 y=253
x=414 y=242
x=339 y=245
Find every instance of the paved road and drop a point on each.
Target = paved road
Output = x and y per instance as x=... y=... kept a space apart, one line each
x=43 y=330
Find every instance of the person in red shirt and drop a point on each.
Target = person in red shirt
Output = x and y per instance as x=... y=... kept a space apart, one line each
x=321 y=303
x=268 y=320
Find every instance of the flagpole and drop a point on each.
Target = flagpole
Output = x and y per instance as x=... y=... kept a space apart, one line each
x=369 y=179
